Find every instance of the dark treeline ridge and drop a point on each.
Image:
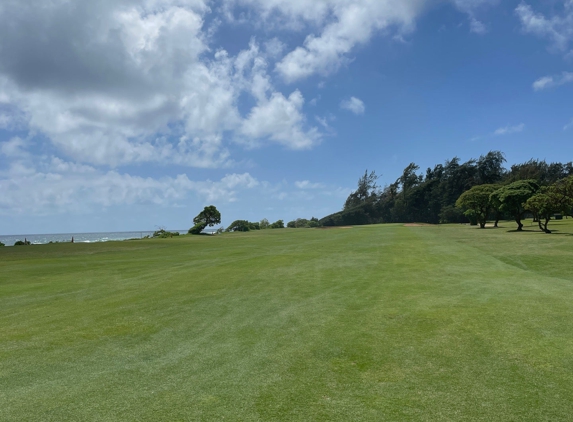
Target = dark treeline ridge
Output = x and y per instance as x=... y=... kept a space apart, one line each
x=431 y=197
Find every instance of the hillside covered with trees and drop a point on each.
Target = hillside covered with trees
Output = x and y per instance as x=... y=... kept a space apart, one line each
x=431 y=197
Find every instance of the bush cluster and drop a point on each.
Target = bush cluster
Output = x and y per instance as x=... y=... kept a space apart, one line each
x=245 y=226
x=163 y=234
x=303 y=223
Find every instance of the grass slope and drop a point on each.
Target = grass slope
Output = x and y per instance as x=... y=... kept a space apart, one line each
x=371 y=323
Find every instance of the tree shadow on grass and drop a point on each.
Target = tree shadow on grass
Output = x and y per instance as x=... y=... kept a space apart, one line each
x=561 y=234
x=552 y=231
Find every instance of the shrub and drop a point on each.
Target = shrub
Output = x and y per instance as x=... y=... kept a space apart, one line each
x=303 y=223
x=451 y=214
x=197 y=228
x=239 y=226
x=162 y=234
x=279 y=224
x=206 y=218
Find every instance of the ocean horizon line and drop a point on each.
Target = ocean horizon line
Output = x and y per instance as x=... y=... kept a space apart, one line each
x=101 y=232
x=81 y=237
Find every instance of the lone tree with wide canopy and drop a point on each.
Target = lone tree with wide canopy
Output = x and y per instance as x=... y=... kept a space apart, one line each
x=511 y=198
x=477 y=203
x=549 y=201
x=563 y=193
x=543 y=205
x=206 y=218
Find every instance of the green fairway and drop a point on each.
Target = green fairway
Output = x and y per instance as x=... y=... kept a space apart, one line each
x=373 y=323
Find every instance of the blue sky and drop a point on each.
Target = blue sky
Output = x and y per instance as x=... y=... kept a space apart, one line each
x=129 y=115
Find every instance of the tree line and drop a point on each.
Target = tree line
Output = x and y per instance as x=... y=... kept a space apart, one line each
x=456 y=192
x=210 y=216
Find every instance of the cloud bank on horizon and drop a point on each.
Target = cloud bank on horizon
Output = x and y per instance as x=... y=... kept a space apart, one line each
x=146 y=102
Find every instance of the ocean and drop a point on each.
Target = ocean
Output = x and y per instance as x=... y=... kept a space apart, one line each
x=39 y=239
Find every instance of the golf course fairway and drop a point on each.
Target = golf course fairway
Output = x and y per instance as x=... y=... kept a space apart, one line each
x=372 y=323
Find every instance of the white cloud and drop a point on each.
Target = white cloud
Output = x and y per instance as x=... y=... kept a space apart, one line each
x=305 y=184
x=509 y=129
x=543 y=83
x=137 y=82
x=477 y=27
x=233 y=180
x=350 y=24
x=557 y=28
x=355 y=105
x=280 y=120
x=568 y=125
x=54 y=186
x=551 y=81
x=133 y=82
x=274 y=47
x=11 y=118
x=15 y=147
x=470 y=8
x=322 y=121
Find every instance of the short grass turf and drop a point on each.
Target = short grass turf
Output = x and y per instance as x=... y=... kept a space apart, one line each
x=371 y=323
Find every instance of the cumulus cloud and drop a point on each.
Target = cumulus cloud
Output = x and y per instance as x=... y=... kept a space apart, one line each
x=477 y=27
x=280 y=120
x=471 y=8
x=350 y=24
x=15 y=147
x=338 y=26
x=54 y=185
x=139 y=81
x=558 y=28
x=509 y=129
x=552 y=81
x=130 y=82
x=274 y=47
x=305 y=184
x=341 y=26
x=355 y=105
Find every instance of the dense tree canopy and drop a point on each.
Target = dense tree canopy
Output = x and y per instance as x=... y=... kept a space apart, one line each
x=557 y=198
x=476 y=202
x=513 y=197
x=303 y=223
x=279 y=224
x=431 y=196
x=209 y=216
x=543 y=205
x=206 y=218
x=490 y=167
x=366 y=191
x=563 y=193
x=242 y=226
